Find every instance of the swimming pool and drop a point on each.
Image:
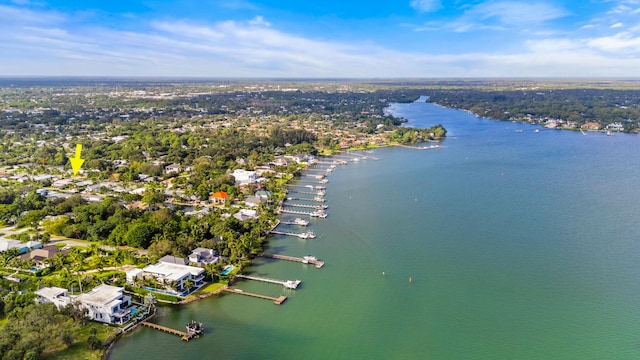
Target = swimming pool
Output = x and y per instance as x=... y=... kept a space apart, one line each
x=227 y=269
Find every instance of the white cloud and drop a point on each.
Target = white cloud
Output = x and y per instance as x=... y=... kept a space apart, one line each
x=515 y=12
x=617 y=25
x=426 y=5
x=256 y=48
x=259 y=21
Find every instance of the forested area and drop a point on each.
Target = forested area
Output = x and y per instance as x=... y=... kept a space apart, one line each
x=602 y=106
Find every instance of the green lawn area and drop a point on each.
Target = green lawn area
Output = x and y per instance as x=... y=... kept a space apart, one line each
x=79 y=349
x=209 y=288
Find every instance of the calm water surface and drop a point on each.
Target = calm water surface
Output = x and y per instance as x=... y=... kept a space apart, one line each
x=519 y=245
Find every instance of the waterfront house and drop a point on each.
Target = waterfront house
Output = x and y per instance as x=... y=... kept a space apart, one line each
x=105 y=303
x=590 y=126
x=172 y=274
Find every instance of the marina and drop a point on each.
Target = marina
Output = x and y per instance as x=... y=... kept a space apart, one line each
x=276 y=300
x=308 y=259
x=290 y=284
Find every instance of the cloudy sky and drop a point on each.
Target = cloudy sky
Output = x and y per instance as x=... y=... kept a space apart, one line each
x=319 y=39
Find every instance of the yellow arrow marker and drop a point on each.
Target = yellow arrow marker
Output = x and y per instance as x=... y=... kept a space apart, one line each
x=76 y=162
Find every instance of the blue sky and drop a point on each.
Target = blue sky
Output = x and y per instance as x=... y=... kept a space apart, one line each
x=319 y=39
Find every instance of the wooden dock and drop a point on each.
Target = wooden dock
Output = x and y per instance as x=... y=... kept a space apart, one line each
x=318 y=264
x=304 y=235
x=315 y=199
x=291 y=284
x=316 y=193
x=184 y=335
x=278 y=301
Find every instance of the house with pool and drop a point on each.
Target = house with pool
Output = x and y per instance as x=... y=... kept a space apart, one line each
x=173 y=272
x=105 y=303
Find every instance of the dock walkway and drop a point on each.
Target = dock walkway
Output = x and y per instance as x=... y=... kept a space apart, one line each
x=318 y=264
x=276 y=300
x=291 y=284
x=185 y=336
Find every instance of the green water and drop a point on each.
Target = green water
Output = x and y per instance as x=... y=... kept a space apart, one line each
x=519 y=246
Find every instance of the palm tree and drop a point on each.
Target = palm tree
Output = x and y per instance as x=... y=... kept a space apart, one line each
x=188 y=284
x=211 y=270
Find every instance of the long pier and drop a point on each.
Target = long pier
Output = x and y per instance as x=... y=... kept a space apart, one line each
x=291 y=284
x=305 y=235
x=316 y=199
x=317 y=193
x=311 y=187
x=318 y=264
x=184 y=335
x=278 y=301
x=317 y=213
x=317 y=207
x=324 y=181
x=297 y=212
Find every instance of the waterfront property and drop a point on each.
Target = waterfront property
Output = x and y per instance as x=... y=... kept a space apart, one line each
x=105 y=303
x=173 y=274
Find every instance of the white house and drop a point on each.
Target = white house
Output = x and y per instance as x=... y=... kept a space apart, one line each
x=202 y=256
x=105 y=303
x=10 y=244
x=134 y=274
x=244 y=177
x=57 y=296
x=245 y=214
x=176 y=273
x=173 y=168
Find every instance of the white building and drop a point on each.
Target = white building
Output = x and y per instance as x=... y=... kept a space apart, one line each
x=244 y=177
x=105 y=303
x=57 y=296
x=203 y=256
x=176 y=274
x=134 y=274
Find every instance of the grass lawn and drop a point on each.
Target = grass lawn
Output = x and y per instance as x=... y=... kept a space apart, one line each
x=79 y=349
x=210 y=288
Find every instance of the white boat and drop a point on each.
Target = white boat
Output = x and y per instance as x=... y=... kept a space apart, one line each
x=307 y=235
x=309 y=259
x=300 y=221
x=292 y=284
x=319 y=213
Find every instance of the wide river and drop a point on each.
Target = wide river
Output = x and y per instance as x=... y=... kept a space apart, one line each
x=520 y=245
